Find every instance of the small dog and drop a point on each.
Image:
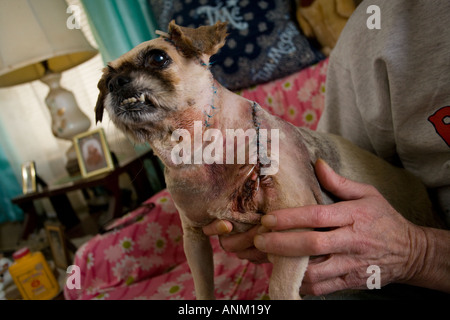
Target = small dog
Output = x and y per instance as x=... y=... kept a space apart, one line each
x=162 y=92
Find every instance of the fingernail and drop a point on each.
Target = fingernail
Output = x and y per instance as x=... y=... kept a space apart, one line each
x=269 y=221
x=222 y=227
x=324 y=163
x=260 y=242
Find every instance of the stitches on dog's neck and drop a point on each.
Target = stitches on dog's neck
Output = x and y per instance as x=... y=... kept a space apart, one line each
x=209 y=116
x=257 y=166
x=257 y=125
x=245 y=195
x=213 y=109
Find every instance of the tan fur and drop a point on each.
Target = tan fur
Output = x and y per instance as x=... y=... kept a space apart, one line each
x=236 y=192
x=203 y=40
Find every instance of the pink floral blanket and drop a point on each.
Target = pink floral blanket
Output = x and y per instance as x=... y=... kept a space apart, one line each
x=142 y=256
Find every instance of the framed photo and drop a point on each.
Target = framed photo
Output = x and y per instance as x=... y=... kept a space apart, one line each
x=93 y=153
x=29 y=177
x=57 y=241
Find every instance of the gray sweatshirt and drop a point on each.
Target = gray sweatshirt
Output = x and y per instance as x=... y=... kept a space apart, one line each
x=388 y=89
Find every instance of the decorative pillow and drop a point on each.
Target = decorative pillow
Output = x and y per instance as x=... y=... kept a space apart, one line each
x=264 y=42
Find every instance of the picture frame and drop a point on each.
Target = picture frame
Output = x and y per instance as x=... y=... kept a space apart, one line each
x=57 y=242
x=29 y=177
x=93 y=153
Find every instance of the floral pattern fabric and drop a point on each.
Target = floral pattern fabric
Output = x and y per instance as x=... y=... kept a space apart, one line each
x=145 y=260
x=142 y=257
x=298 y=98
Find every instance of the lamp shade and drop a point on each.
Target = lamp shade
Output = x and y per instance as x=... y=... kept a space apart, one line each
x=35 y=31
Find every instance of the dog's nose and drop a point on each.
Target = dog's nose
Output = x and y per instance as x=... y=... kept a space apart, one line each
x=118 y=82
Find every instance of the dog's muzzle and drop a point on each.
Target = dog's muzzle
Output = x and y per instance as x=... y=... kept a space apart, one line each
x=127 y=101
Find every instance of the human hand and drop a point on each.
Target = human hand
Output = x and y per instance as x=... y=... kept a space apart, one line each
x=240 y=243
x=363 y=230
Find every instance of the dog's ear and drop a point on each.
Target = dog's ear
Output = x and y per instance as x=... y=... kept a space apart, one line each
x=99 y=107
x=195 y=42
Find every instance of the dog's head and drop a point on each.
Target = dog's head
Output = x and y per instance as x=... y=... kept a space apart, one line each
x=158 y=79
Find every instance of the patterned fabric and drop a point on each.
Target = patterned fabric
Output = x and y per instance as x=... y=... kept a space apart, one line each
x=142 y=256
x=264 y=42
x=145 y=260
x=298 y=98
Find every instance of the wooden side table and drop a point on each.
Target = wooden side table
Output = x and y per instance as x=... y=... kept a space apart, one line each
x=110 y=181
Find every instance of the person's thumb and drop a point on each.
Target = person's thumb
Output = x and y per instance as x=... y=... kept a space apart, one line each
x=338 y=185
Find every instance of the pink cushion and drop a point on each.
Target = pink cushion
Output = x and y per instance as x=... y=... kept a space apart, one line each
x=145 y=260
x=298 y=98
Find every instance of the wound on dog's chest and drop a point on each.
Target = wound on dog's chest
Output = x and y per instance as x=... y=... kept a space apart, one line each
x=245 y=197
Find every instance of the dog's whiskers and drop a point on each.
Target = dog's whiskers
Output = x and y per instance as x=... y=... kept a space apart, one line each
x=251 y=170
x=124 y=110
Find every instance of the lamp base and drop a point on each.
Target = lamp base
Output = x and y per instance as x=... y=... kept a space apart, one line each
x=72 y=165
x=67 y=118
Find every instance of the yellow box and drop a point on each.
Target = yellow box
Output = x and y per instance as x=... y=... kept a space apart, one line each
x=32 y=275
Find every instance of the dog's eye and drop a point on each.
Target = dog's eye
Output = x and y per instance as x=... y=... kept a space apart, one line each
x=157 y=59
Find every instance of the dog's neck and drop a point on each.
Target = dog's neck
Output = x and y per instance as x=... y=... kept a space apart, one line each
x=227 y=111
x=218 y=109
x=239 y=177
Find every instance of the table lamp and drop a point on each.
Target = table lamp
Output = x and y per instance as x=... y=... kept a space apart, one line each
x=36 y=43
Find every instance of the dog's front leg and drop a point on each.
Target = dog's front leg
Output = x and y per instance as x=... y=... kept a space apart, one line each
x=197 y=248
x=287 y=276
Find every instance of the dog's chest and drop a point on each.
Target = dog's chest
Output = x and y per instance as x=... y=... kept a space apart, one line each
x=198 y=192
x=223 y=191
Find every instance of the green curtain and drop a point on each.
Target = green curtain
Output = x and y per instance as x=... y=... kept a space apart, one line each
x=9 y=188
x=119 y=25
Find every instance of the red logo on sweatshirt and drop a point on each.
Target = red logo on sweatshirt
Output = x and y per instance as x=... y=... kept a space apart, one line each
x=441 y=122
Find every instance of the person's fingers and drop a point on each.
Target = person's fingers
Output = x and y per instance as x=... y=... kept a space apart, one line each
x=239 y=241
x=336 y=272
x=343 y=188
x=328 y=267
x=323 y=275
x=218 y=227
x=253 y=255
x=320 y=216
x=332 y=285
x=305 y=243
x=313 y=216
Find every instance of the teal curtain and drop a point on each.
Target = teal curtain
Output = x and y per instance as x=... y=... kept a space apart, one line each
x=9 y=188
x=119 y=25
